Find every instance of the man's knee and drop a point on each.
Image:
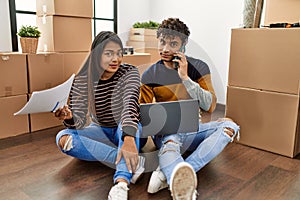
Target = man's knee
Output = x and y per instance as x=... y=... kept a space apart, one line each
x=65 y=142
x=168 y=146
x=229 y=131
x=230 y=127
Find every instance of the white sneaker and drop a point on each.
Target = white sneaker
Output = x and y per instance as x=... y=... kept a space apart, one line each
x=118 y=192
x=183 y=182
x=139 y=170
x=158 y=181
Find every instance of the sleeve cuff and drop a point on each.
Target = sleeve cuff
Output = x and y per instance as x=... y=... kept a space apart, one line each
x=69 y=123
x=128 y=131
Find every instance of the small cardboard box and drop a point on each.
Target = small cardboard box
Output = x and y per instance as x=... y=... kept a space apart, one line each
x=13 y=74
x=73 y=62
x=143 y=31
x=11 y=125
x=64 y=34
x=143 y=35
x=76 y=8
x=266 y=59
x=45 y=71
x=143 y=38
x=268 y=120
x=279 y=11
x=40 y=121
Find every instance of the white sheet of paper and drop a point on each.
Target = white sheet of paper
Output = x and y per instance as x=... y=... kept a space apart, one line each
x=48 y=100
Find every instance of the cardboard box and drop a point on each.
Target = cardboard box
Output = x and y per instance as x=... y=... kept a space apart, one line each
x=64 y=34
x=45 y=71
x=266 y=59
x=137 y=59
x=13 y=74
x=143 y=35
x=268 y=120
x=143 y=31
x=11 y=125
x=143 y=38
x=278 y=11
x=73 y=62
x=76 y=8
x=40 y=121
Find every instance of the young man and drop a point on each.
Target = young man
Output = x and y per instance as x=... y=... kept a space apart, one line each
x=179 y=77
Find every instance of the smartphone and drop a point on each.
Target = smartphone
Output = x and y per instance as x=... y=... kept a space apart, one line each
x=182 y=49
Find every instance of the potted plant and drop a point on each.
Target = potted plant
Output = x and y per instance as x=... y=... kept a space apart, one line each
x=147 y=25
x=29 y=36
x=144 y=28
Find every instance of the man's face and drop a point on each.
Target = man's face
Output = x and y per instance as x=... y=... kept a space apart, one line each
x=167 y=46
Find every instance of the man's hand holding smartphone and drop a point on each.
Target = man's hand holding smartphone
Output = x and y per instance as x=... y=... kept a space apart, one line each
x=181 y=64
x=176 y=58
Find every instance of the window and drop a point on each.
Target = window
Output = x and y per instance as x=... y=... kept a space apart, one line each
x=105 y=16
x=21 y=13
x=24 y=13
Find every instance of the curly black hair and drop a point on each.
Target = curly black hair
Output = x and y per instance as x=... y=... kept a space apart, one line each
x=172 y=27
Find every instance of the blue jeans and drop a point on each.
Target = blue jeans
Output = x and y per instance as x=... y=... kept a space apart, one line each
x=205 y=145
x=98 y=143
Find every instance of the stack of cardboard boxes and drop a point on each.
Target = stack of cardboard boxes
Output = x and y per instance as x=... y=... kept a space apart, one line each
x=13 y=94
x=264 y=85
x=66 y=28
x=144 y=41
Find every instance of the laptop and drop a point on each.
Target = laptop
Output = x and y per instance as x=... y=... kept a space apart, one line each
x=171 y=117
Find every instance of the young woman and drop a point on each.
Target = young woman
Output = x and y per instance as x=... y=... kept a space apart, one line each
x=102 y=117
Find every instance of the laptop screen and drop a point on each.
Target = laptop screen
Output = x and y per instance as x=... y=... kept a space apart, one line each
x=169 y=117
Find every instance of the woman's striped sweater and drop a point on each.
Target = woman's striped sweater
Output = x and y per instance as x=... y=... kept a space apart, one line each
x=116 y=100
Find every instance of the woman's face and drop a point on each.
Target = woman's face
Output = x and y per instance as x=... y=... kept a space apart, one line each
x=111 y=57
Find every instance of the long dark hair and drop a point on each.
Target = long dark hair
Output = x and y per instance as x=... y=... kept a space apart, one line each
x=92 y=68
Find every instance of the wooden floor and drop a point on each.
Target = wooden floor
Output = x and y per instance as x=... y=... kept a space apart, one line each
x=33 y=168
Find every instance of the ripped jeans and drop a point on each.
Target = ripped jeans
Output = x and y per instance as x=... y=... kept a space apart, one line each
x=205 y=145
x=98 y=143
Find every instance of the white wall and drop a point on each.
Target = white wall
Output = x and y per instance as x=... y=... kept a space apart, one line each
x=5 y=34
x=129 y=12
x=210 y=23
